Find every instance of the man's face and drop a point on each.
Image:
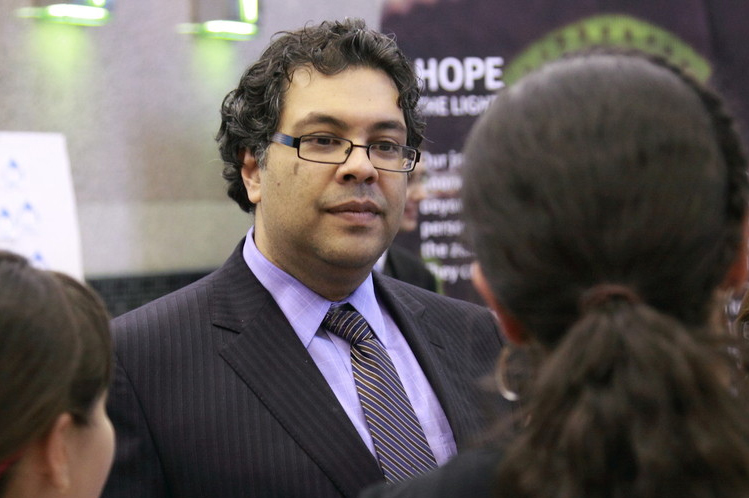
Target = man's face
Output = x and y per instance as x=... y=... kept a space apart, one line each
x=330 y=220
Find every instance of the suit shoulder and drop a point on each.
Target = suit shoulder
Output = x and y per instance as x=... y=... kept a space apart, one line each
x=423 y=294
x=459 y=304
x=429 y=299
x=176 y=303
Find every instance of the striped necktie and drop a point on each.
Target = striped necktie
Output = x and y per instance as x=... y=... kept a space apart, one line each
x=399 y=440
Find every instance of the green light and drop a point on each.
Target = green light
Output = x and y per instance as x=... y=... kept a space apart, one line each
x=84 y=15
x=77 y=12
x=230 y=27
x=221 y=30
x=243 y=29
x=248 y=10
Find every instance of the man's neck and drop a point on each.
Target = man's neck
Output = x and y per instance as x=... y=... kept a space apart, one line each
x=332 y=283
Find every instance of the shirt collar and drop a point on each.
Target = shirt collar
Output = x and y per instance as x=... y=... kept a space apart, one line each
x=304 y=308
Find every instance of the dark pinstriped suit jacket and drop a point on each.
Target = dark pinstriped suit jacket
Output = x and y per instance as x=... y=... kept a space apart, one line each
x=215 y=396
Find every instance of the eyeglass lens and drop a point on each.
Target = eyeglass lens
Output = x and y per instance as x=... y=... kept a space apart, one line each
x=337 y=150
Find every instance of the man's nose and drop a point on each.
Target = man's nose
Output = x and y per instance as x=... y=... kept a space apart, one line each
x=358 y=167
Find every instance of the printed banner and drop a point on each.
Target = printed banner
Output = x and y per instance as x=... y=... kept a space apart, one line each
x=465 y=50
x=38 y=216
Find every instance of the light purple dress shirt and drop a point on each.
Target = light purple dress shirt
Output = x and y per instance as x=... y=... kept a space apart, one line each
x=305 y=311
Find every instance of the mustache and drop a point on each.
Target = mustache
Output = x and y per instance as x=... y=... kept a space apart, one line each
x=362 y=198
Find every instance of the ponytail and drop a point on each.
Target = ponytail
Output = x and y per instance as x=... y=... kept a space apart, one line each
x=630 y=403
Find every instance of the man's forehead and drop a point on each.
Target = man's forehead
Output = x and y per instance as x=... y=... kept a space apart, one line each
x=305 y=75
x=343 y=99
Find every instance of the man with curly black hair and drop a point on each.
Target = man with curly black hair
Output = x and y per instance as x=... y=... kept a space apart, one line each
x=242 y=384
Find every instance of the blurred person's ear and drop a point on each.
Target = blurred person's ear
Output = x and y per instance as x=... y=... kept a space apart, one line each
x=737 y=274
x=511 y=327
x=55 y=454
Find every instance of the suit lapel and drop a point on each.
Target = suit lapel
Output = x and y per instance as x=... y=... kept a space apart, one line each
x=268 y=356
x=431 y=342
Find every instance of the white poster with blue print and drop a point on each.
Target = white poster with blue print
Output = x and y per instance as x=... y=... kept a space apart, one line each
x=38 y=216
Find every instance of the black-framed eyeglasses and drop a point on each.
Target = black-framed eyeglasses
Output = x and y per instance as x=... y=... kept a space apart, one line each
x=328 y=149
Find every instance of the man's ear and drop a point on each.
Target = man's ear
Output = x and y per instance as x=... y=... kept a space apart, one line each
x=55 y=455
x=251 y=175
x=511 y=327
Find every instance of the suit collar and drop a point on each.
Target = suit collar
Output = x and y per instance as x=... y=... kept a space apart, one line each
x=405 y=308
x=270 y=359
x=435 y=349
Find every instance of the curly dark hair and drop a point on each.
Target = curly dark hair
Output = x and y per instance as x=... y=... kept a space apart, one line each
x=251 y=112
x=615 y=168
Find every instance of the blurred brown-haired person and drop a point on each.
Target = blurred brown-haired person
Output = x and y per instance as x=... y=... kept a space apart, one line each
x=605 y=197
x=55 y=368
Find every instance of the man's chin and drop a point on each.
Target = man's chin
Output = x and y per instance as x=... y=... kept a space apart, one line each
x=365 y=263
x=360 y=257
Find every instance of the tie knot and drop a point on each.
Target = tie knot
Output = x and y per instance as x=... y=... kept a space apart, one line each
x=347 y=323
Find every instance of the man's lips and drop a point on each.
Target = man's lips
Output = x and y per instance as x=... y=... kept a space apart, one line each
x=356 y=207
x=360 y=213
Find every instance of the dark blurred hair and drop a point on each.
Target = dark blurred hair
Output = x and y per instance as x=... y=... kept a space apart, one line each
x=55 y=353
x=250 y=113
x=614 y=168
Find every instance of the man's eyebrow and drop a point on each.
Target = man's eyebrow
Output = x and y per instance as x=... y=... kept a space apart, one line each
x=314 y=118
x=388 y=125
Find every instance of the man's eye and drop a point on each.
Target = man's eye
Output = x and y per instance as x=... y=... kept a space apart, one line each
x=386 y=148
x=322 y=141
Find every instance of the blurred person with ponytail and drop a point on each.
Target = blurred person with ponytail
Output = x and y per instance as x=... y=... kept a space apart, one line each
x=605 y=197
x=55 y=368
